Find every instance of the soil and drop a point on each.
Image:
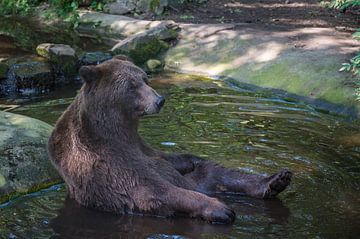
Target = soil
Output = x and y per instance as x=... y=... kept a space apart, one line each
x=291 y=13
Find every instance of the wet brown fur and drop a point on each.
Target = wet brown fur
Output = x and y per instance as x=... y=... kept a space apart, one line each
x=106 y=165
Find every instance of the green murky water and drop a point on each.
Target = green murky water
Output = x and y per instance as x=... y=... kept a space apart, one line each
x=253 y=131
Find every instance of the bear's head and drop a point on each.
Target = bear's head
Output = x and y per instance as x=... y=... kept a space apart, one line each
x=118 y=85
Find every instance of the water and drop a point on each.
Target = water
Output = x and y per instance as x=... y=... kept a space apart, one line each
x=257 y=132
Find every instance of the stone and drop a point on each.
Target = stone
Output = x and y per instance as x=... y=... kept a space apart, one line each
x=24 y=163
x=140 y=47
x=154 y=65
x=120 y=7
x=94 y=58
x=27 y=75
x=272 y=58
x=147 y=44
x=158 y=6
x=166 y=31
x=62 y=57
x=110 y=27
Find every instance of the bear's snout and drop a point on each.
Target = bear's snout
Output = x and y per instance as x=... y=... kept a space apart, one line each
x=160 y=102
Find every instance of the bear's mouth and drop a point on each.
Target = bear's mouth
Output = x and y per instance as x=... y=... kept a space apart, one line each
x=152 y=109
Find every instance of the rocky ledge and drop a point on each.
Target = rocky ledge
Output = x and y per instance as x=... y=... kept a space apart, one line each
x=24 y=163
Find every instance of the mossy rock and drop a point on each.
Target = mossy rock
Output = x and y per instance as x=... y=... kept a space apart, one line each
x=62 y=57
x=28 y=73
x=140 y=47
x=24 y=163
x=94 y=58
x=157 y=6
x=154 y=66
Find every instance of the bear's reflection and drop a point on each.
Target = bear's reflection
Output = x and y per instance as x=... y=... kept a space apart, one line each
x=75 y=221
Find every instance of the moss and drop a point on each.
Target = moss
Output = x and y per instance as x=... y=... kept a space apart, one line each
x=43 y=50
x=66 y=65
x=154 y=4
x=154 y=65
x=3 y=70
x=145 y=50
x=320 y=81
x=35 y=188
x=2 y=180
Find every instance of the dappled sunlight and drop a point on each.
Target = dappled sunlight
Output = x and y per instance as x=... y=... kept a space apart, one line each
x=300 y=61
x=118 y=25
x=262 y=53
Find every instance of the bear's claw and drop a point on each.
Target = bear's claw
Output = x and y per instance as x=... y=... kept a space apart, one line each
x=218 y=213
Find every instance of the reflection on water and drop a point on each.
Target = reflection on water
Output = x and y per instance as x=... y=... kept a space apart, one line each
x=253 y=131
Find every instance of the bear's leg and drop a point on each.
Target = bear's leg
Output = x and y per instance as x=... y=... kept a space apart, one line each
x=165 y=199
x=212 y=178
x=199 y=205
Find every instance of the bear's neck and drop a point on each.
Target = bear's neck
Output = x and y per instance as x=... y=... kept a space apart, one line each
x=110 y=127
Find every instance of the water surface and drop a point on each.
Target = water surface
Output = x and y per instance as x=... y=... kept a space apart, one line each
x=257 y=132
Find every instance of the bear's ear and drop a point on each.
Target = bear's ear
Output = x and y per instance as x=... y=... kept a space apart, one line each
x=88 y=73
x=122 y=57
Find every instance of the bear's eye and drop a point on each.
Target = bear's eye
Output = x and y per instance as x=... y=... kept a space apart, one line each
x=132 y=85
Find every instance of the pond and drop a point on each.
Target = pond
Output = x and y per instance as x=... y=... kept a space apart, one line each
x=254 y=131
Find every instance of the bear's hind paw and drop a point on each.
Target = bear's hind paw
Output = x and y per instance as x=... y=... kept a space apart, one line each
x=277 y=183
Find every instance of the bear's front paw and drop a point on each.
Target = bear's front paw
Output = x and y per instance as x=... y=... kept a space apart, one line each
x=217 y=212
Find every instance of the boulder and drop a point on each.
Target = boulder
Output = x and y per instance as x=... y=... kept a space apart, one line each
x=24 y=164
x=94 y=58
x=140 y=47
x=147 y=44
x=153 y=6
x=159 y=6
x=62 y=57
x=298 y=64
x=110 y=27
x=142 y=6
x=28 y=73
x=120 y=7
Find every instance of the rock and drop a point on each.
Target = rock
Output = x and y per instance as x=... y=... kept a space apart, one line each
x=24 y=164
x=158 y=6
x=154 y=6
x=94 y=58
x=147 y=44
x=166 y=31
x=269 y=58
x=140 y=47
x=29 y=73
x=3 y=70
x=63 y=57
x=110 y=27
x=154 y=65
x=120 y=7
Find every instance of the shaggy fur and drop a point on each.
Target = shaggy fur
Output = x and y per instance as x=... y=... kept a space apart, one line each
x=106 y=165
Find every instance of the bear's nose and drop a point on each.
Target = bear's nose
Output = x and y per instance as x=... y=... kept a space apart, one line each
x=160 y=101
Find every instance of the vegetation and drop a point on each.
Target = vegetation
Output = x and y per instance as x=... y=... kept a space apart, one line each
x=65 y=9
x=17 y=6
x=344 y=4
x=354 y=64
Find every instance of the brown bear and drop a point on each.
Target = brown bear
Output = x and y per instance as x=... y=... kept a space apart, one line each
x=106 y=165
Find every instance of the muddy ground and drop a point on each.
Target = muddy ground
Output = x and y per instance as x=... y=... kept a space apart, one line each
x=291 y=13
